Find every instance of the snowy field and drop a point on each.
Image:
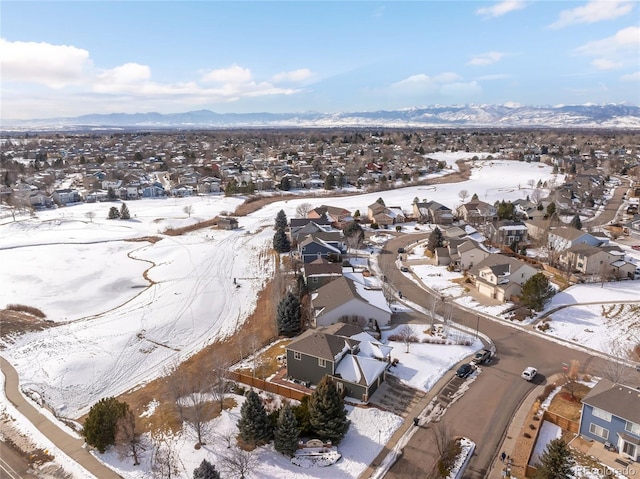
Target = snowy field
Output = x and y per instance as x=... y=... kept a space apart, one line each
x=121 y=329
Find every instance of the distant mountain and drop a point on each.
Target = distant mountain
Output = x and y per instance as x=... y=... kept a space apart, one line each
x=463 y=116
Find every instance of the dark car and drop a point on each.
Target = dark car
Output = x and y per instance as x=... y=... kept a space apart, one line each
x=400 y=250
x=464 y=371
x=404 y=269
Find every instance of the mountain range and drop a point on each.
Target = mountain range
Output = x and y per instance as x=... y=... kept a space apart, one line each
x=462 y=116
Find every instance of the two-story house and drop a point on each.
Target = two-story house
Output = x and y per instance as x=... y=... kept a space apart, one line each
x=500 y=277
x=507 y=233
x=611 y=415
x=352 y=358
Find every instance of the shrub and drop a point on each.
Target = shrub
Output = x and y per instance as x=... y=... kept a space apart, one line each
x=532 y=427
x=448 y=458
x=545 y=393
x=26 y=309
x=527 y=435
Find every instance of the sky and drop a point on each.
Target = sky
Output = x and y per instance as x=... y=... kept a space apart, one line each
x=61 y=59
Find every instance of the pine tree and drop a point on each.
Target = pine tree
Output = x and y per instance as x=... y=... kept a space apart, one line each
x=436 y=240
x=551 y=209
x=124 y=212
x=302 y=417
x=114 y=213
x=280 y=241
x=254 y=423
x=205 y=470
x=301 y=286
x=286 y=432
x=327 y=415
x=111 y=194
x=288 y=315
x=99 y=429
x=576 y=222
x=556 y=461
x=281 y=220
x=536 y=292
x=329 y=182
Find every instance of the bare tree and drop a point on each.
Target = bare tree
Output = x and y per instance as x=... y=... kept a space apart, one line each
x=90 y=215
x=165 y=461
x=302 y=209
x=435 y=299
x=354 y=242
x=129 y=439
x=536 y=195
x=188 y=210
x=407 y=336
x=463 y=195
x=220 y=382
x=614 y=369
x=442 y=435
x=447 y=316
x=531 y=183
x=239 y=463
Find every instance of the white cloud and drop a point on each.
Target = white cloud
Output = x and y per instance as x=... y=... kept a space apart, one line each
x=605 y=64
x=594 y=11
x=625 y=39
x=486 y=58
x=496 y=76
x=293 y=76
x=501 y=8
x=425 y=83
x=55 y=66
x=631 y=76
x=232 y=74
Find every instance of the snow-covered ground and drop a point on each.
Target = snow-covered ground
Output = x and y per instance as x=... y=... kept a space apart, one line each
x=121 y=329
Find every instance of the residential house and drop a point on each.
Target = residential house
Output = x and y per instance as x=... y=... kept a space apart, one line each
x=154 y=190
x=313 y=247
x=439 y=214
x=465 y=253
x=385 y=216
x=477 y=212
x=562 y=238
x=500 y=277
x=227 y=223
x=39 y=199
x=336 y=215
x=632 y=228
x=96 y=196
x=352 y=358
x=595 y=260
x=66 y=196
x=507 y=233
x=611 y=415
x=320 y=272
x=351 y=298
x=299 y=233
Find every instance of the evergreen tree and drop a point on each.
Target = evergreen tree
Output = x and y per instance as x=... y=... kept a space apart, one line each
x=286 y=432
x=536 y=292
x=505 y=210
x=280 y=241
x=124 y=212
x=380 y=201
x=285 y=184
x=281 y=220
x=302 y=417
x=576 y=222
x=551 y=209
x=327 y=415
x=556 y=461
x=436 y=240
x=205 y=470
x=111 y=194
x=114 y=213
x=288 y=315
x=475 y=196
x=254 y=424
x=99 y=429
x=301 y=286
x=330 y=182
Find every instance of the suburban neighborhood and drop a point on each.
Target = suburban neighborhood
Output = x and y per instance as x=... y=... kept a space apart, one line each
x=395 y=275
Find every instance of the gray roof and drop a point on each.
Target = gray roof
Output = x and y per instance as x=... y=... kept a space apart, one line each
x=321 y=345
x=619 y=400
x=498 y=262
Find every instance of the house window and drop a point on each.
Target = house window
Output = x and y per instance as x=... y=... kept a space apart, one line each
x=322 y=363
x=599 y=431
x=599 y=413
x=632 y=427
x=297 y=355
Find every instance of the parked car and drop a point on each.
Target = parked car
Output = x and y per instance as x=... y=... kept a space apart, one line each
x=400 y=250
x=464 y=371
x=481 y=356
x=404 y=269
x=529 y=373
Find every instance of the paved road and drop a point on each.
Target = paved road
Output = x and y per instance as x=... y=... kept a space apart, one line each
x=70 y=445
x=611 y=208
x=485 y=410
x=12 y=464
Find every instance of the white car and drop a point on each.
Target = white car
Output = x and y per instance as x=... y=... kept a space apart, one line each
x=529 y=373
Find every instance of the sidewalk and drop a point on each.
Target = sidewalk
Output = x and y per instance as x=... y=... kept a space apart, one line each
x=71 y=446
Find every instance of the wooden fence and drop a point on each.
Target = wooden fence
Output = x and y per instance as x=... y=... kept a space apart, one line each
x=267 y=386
x=563 y=422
